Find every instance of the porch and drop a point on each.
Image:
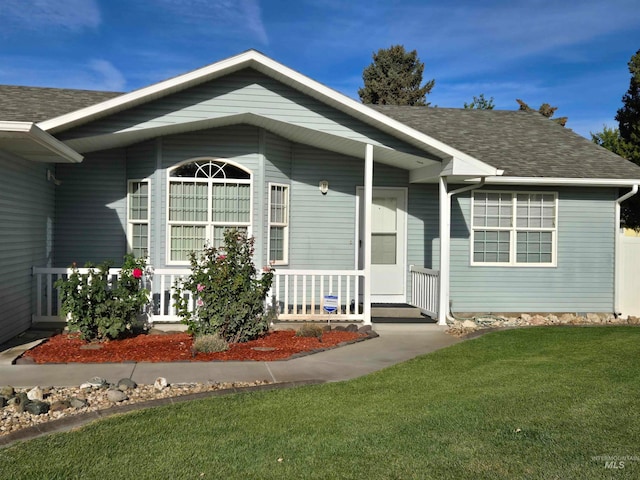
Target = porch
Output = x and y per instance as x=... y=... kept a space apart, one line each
x=297 y=295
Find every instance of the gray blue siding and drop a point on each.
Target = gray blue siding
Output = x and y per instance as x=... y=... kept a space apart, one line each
x=241 y=92
x=582 y=281
x=26 y=238
x=91 y=210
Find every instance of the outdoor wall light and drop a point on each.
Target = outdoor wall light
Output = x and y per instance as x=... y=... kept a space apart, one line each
x=52 y=178
x=324 y=186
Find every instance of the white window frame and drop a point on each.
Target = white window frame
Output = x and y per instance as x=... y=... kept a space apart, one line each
x=285 y=225
x=513 y=231
x=131 y=222
x=209 y=223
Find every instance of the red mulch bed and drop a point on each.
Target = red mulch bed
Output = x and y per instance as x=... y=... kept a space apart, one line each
x=173 y=347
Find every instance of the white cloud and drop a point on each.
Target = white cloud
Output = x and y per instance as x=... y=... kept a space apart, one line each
x=39 y=14
x=96 y=74
x=230 y=17
x=107 y=76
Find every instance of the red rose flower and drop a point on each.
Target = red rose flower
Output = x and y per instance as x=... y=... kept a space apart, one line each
x=137 y=273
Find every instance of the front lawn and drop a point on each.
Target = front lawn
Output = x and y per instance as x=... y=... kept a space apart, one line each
x=548 y=402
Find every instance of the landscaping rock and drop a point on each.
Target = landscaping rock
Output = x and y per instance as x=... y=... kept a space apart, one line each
x=633 y=320
x=19 y=401
x=125 y=384
x=98 y=382
x=36 y=407
x=7 y=391
x=537 y=320
x=78 y=402
x=36 y=393
x=60 y=405
x=115 y=395
x=365 y=329
x=352 y=327
x=469 y=324
x=160 y=384
x=326 y=328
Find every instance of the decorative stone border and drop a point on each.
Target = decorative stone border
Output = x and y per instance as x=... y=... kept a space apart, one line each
x=463 y=326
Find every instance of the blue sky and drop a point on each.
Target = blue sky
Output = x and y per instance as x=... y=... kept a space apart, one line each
x=571 y=54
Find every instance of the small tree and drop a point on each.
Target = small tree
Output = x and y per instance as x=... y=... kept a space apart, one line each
x=546 y=110
x=480 y=103
x=99 y=309
x=228 y=292
x=394 y=78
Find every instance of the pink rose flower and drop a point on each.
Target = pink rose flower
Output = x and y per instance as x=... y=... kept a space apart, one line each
x=222 y=257
x=199 y=302
x=200 y=287
x=137 y=273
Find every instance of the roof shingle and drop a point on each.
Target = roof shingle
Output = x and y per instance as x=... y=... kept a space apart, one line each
x=36 y=104
x=523 y=144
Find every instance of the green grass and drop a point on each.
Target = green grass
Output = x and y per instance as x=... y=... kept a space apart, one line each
x=529 y=403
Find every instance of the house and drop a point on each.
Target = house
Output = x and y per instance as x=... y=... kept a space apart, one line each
x=445 y=209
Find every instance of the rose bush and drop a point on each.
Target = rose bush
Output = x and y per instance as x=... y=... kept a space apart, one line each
x=98 y=307
x=224 y=293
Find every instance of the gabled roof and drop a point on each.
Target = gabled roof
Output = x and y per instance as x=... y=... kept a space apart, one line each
x=458 y=160
x=523 y=144
x=36 y=104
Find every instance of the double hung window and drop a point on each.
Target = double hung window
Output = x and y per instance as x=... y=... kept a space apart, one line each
x=138 y=217
x=514 y=228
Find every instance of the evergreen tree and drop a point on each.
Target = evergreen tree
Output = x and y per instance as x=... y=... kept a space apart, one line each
x=394 y=78
x=480 y=103
x=628 y=115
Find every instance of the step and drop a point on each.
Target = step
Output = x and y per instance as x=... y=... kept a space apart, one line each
x=401 y=310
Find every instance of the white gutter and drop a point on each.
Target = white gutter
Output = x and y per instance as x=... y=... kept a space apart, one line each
x=617 y=260
x=445 y=245
x=30 y=131
x=560 y=181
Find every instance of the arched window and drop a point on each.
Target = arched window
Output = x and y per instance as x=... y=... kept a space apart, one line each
x=205 y=197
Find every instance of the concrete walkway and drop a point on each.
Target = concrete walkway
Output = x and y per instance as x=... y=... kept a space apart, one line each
x=395 y=344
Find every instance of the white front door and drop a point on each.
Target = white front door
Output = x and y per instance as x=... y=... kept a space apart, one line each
x=388 y=243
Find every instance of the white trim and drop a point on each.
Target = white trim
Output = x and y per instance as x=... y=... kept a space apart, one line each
x=514 y=229
x=285 y=247
x=288 y=76
x=208 y=224
x=559 y=182
x=146 y=222
x=34 y=133
x=617 y=285
x=368 y=199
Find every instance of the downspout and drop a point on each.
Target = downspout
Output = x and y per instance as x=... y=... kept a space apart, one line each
x=445 y=246
x=617 y=260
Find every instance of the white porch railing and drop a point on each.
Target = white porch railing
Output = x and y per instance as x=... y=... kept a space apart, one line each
x=48 y=301
x=313 y=294
x=298 y=294
x=425 y=289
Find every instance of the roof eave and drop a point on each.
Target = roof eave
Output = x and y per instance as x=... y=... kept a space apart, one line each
x=47 y=146
x=278 y=71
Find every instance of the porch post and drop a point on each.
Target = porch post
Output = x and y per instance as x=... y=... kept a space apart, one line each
x=445 y=245
x=368 y=200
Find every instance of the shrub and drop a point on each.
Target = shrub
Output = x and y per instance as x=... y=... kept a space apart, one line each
x=229 y=293
x=102 y=310
x=310 y=330
x=209 y=344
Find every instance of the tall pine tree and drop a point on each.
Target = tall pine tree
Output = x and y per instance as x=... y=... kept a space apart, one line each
x=394 y=78
x=628 y=115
